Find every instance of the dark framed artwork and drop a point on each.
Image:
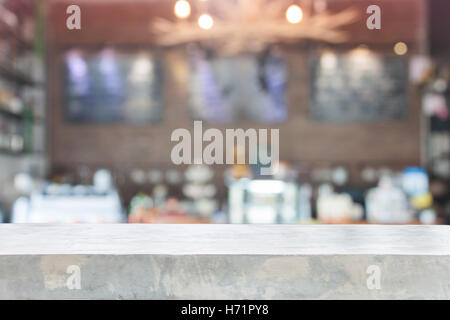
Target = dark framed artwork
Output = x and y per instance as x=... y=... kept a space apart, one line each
x=228 y=89
x=358 y=87
x=110 y=86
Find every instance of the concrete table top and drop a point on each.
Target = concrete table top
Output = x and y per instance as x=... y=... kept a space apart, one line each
x=225 y=262
x=127 y=239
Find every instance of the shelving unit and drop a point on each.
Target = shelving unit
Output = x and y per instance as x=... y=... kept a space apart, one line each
x=21 y=78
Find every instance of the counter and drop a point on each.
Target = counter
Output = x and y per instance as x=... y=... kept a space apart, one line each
x=224 y=262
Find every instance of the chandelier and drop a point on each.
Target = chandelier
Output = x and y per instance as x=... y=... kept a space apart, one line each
x=251 y=25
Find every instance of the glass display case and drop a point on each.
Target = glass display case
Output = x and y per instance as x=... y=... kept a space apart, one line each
x=263 y=202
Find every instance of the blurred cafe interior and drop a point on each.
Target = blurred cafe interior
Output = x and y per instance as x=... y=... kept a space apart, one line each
x=92 y=90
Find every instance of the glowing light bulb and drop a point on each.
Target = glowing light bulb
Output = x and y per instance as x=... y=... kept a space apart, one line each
x=205 y=21
x=400 y=48
x=294 y=14
x=182 y=9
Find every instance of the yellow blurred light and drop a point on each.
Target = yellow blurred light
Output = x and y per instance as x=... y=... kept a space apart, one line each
x=422 y=202
x=182 y=9
x=360 y=51
x=205 y=21
x=401 y=48
x=294 y=14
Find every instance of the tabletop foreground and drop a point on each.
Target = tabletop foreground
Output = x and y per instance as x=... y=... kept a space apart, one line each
x=224 y=262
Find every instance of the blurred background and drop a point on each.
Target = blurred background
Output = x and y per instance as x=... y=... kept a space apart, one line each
x=86 y=115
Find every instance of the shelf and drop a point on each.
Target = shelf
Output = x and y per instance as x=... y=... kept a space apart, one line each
x=10 y=114
x=16 y=76
x=11 y=153
x=21 y=43
x=37 y=121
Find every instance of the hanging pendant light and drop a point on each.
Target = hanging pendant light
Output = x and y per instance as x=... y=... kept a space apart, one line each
x=205 y=21
x=182 y=9
x=294 y=14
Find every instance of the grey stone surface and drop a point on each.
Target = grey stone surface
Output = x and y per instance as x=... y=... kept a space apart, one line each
x=224 y=262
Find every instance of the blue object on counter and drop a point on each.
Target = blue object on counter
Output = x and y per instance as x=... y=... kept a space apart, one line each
x=415 y=181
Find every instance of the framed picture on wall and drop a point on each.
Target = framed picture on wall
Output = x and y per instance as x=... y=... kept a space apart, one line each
x=225 y=89
x=358 y=86
x=110 y=86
